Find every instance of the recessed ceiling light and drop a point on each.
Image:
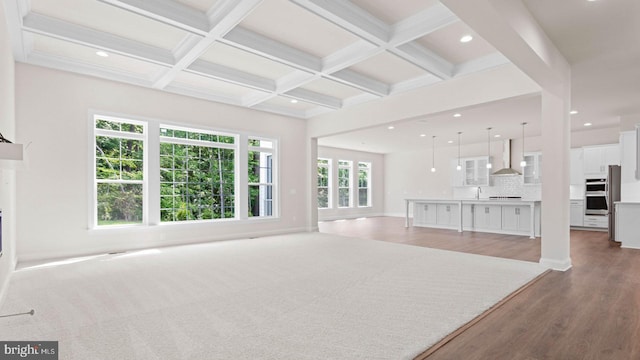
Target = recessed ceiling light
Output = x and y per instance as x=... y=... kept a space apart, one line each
x=588 y=124
x=466 y=38
x=457 y=115
x=423 y=135
x=391 y=127
x=573 y=112
x=102 y=53
x=497 y=135
x=294 y=101
x=450 y=142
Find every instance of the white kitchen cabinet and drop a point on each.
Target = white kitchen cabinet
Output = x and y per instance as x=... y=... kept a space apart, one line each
x=576 y=217
x=425 y=214
x=447 y=215
x=576 y=167
x=475 y=172
x=532 y=172
x=488 y=217
x=596 y=221
x=467 y=216
x=596 y=159
x=516 y=218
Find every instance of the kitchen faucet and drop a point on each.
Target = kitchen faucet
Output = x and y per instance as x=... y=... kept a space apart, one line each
x=478 y=191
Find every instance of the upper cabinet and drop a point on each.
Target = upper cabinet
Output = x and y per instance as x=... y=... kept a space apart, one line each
x=473 y=172
x=576 y=170
x=532 y=172
x=596 y=159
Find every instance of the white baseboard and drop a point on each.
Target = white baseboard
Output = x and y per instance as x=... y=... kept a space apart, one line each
x=623 y=246
x=397 y=215
x=559 y=265
x=48 y=256
x=350 y=216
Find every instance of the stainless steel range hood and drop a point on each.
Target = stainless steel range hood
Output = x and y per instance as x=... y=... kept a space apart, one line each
x=507 y=170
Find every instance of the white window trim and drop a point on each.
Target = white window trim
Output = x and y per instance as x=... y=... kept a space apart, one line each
x=275 y=171
x=329 y=182
x=151 y=158
x=351 y=182
x=369 y=202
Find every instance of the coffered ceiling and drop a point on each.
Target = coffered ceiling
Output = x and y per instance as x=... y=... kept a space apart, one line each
x=299 y=58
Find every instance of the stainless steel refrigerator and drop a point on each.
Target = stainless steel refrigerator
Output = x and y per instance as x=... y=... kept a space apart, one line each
x=613 y=195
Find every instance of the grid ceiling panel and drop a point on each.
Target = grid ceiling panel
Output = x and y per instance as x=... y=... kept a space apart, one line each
x=244 y=61
x=446 y=42
x=395 y=69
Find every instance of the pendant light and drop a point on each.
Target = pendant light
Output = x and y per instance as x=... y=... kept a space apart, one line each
x=433 y=154
x=459 y=167
x=489 y=148
x=523 y=163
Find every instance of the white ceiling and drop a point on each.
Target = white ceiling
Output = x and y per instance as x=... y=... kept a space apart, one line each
x=331 y=55
x=260 y=54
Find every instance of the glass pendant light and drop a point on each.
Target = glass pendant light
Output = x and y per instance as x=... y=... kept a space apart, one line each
x=489 y=148
x=523 y=163
x=433 y=154
x=459 y=167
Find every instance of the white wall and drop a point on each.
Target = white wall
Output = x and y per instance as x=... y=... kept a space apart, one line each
x=7 y=175
x=52 y=112
x=408 y=174
x=630 y=186
x=377 y=183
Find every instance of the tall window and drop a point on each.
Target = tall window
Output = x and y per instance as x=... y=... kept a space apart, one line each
x=324 y=198
x=197 y=175
x=261 y=184
x=364 y=189
x=119 y=185
x=344 y=183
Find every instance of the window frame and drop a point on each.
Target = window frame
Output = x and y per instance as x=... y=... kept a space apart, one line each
x=151 y=171
x=348 y=165
x=144 y=137
x=329 y=181
x=273 y=150
x=367 y=168
x=193 y=142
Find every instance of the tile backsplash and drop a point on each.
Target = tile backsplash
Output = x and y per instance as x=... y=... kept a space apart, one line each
x=501 y=186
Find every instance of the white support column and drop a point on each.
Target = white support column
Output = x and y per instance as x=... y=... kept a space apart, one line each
x=556 y=143
x=312 y=192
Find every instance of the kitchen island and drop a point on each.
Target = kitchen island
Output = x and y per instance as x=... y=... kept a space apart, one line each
x=627 y=227
x=500 y=216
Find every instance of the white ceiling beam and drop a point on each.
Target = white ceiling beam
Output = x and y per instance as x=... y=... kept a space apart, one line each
x=59 y=29
x=421 y=24
x=315 y=98
x=271 y=49
x=350 y=17
x=74 y=66
x=364 y=83
x=187 y=90
x=221 y=18
x=350 y=55
x=167 y=11
x=513 y=31
x=414 y=83
x=272 y=108
x=425 y=59
x=231 y=75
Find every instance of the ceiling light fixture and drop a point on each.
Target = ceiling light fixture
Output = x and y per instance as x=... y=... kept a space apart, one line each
x=391 y=127
x=423 y=135
x=457 y=115
x=489 y=148
x=294 y=101
x=588 y=124
x=497 y=135
x=573 y=112
x=466 y=38
x=523 y=163
x=459 y=167
x=102 y=53
x=433 y=154
x=450 y=142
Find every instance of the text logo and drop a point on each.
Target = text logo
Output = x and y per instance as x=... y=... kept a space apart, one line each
x=29 y=350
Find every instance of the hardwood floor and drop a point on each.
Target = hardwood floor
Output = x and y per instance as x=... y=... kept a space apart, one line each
x=591 y=311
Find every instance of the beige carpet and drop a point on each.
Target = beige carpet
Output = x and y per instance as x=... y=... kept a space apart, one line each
x=303 y=296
